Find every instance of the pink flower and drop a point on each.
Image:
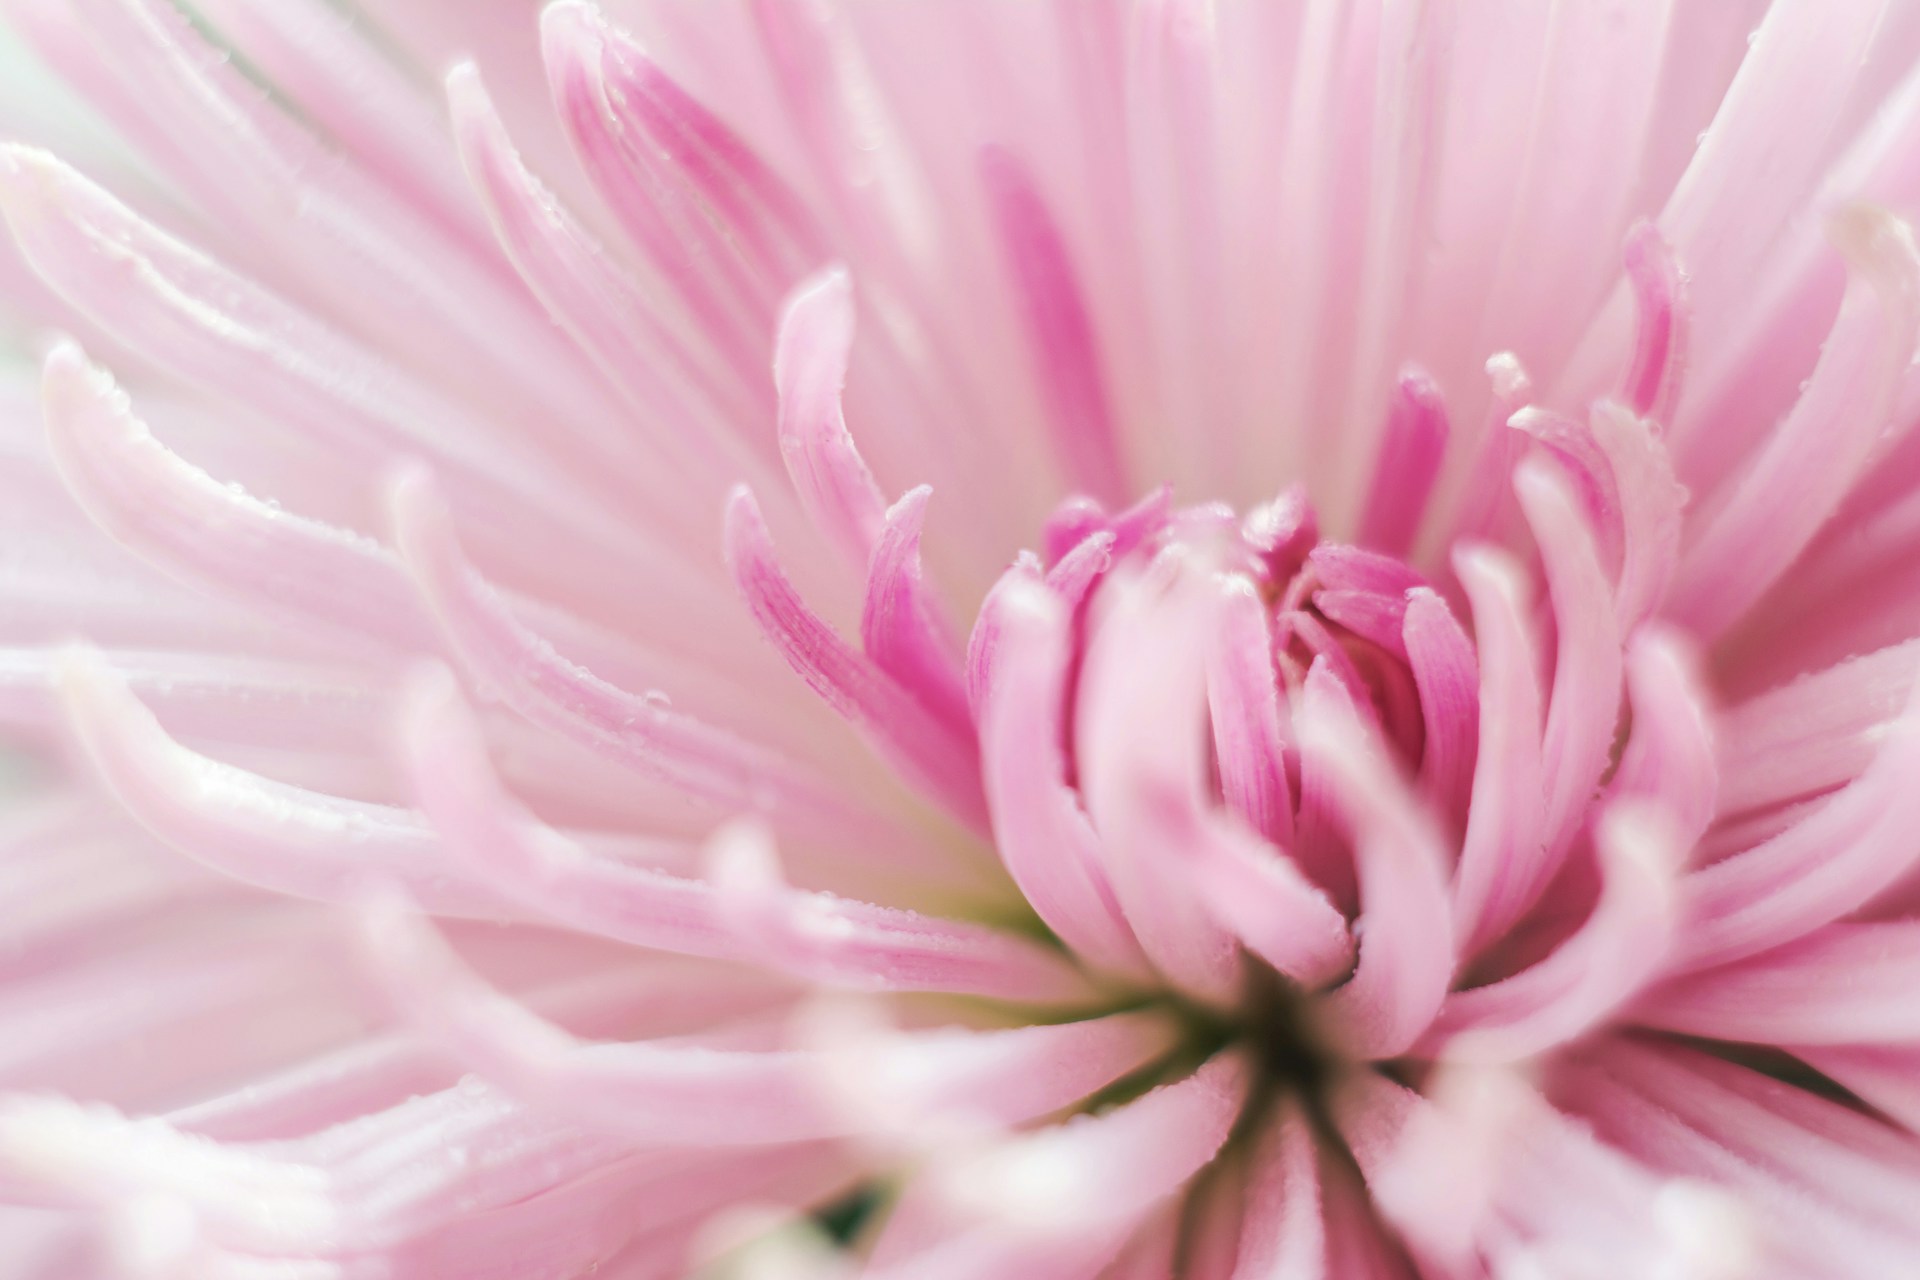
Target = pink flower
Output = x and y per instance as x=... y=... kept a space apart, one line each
x=1436 y=796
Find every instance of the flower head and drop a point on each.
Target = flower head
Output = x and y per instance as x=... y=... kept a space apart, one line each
x=1304 y=665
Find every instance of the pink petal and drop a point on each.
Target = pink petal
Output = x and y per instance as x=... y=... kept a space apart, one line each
x=634 y=730
x=1585 y=705
x=1845 y=983
x=598 y=79
x=939 y=758
x=1243 y=701
x=903 y=622
x=1832 y=861
x=1060 y=330
x=606 y=312
x=1669 y=755
x=1043 y=836
x=1805 y=467
x=1444 y=669
x=1411 y=450
x=665 y=1093
x=1506 y=813
x=182 y=518
x=1140 y=739
x=252 y=828
x=1618 y=950
x=1651 y=501
x=1405 y=937
x=1283 y=1235
x=816 y=936
x=1059 y=1202
x=1651 y=387
x=809 y=369
x=1814 y=733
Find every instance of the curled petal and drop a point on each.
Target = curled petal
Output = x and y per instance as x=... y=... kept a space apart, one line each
x=1334 y=566
x=1651 y=387
x=983 y=642
x=1406 y=938
x=398 y=1189
x=1371 y=615
x=938 y=757
x=608 y=314
x=1838 y=857
x=656 y=143
x=178 y=516
x=1651 y=503
x=816 y=936
x=1043 y=836
x=1585 y=705
x=902 y=625
x=1280 y=915
x=1574 y=450
x=1060 y=1202
x=185 y=311
x=1411 y=451
x=663 y=1093
x=345 y=238
x=1243 y=701
x=252 y=828
x=1490 y=479
x=1444 y=671
x=1593 y=973
x=1505 y=815
x=829 y=939
x=525 y=671
x=1669 y=757
x=809 y=369
x=1073 y=576
x=1790 y=489
x=1140 y=738
x=1318 y=846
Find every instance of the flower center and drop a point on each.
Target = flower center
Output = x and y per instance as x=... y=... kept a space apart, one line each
x=1180 y=712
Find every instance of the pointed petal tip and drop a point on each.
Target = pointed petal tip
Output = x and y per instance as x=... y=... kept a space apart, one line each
x=743 y=524
x=82 y=400
x=1536 y=480
x=418 y=516
x=1646 y=243
x=65 y=366
x=18 y=166
x=27 y=172
x=1482 y=561
x=1416 y=383
x=463 y=82
x=85 y=681
x=571 y=20
x=1508 y=375
x=1875 y=240
x=479 y=135
x=911 y=505
x=816 y=326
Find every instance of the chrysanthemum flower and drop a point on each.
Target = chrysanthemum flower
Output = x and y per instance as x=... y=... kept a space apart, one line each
x=962 y=640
